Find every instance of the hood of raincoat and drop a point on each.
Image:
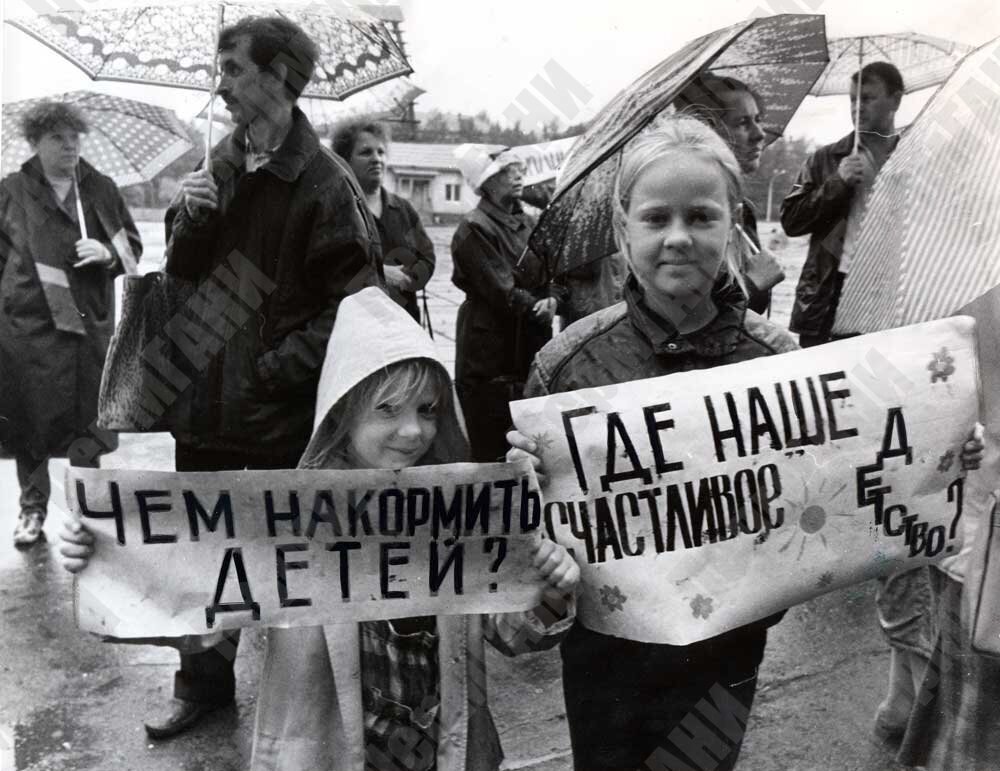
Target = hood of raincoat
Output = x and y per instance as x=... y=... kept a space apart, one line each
x=371 y=333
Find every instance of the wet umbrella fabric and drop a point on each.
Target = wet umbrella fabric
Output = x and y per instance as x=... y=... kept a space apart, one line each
x=923 y=60
x=174 y=45
x=780 y=57
x=129 y=140
x=930 y=239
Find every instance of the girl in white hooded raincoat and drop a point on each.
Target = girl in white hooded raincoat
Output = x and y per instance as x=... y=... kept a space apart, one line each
x=320 y=708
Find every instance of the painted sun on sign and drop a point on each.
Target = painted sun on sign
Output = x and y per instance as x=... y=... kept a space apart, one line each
x=813 y=518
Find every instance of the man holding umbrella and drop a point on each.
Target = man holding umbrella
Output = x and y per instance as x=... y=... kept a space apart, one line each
x=287 y=217
x=827 y=200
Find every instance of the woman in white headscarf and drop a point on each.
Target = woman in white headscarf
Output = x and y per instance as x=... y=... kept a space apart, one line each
x=509 y=300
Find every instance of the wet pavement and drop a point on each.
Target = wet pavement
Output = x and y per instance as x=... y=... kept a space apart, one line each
x=69 y=702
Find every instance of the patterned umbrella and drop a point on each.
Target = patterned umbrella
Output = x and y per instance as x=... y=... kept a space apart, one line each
x=174 y=45
x=930 y=239
x=129 y=141
x=923 y=60
x=780 y=57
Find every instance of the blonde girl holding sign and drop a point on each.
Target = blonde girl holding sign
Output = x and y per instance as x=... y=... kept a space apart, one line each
x=676 y=202
x=409 y=693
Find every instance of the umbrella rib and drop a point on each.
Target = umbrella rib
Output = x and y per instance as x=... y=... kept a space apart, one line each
x=370 y=83
x=104 y=59
x=881 y=50
x=54 y=47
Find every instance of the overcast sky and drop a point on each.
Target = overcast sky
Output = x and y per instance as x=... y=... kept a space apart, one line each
x=471 y=55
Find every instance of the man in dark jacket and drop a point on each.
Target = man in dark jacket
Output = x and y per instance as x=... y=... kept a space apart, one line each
x=278 y=228
x=827 y=200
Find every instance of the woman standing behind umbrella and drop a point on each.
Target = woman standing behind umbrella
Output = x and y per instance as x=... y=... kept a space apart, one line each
x=509 y=303
x=56 y=287
x=734 y=111
x=408 y=254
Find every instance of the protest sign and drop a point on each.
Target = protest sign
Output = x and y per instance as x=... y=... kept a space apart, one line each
x=701 y=501
x=191 y=553
x=542 y=160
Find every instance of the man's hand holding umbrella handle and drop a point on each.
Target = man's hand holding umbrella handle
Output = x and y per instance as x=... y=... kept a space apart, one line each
x=852 y=170
x=201 y=194
x=544 y=310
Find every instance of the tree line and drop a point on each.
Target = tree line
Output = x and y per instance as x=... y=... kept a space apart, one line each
x=779 y=163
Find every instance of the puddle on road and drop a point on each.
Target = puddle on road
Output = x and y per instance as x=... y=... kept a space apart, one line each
x=50 y=738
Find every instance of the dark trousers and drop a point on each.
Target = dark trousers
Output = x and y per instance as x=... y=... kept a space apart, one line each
x=634 y=705
x=208 y=677
x=486 y=409
x=33 y=479
x=824 y=333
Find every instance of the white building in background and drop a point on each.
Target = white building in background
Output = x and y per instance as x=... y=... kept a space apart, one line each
x=428 y=177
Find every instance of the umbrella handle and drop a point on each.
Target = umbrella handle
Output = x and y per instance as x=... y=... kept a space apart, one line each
x=211 y=98
x=79 y=203
x=857 y=97
x=747 y=240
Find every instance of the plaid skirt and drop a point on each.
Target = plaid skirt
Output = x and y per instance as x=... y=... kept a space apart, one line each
x=400 y=686
x=953 y=725
x=903 y=602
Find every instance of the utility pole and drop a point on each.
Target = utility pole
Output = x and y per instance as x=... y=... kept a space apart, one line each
x=770 y=190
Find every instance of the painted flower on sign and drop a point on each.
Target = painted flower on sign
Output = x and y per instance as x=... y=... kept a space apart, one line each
x=942 y=366
x=701 y=606
x=612 y=597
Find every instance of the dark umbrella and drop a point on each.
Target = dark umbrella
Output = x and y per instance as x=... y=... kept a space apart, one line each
x=779 y=57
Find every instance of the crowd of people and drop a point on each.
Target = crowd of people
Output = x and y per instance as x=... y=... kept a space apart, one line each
x=341 y=250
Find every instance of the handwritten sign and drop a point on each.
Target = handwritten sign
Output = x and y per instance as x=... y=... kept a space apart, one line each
x=701 y=501
x=542 y=160
x=192 y=553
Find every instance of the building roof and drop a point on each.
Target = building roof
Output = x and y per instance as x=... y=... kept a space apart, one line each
x=422 y=156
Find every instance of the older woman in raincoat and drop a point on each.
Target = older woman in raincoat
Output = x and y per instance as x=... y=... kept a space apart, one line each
x=57 y=299
x=509 y=300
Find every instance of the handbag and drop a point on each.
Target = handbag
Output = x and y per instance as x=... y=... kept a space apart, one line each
x=144 y=377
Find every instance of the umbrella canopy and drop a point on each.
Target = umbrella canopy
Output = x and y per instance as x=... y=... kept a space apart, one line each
x=174 y=45
x=130 y=141
x=923 y=60
x=780 y=57
x=930 y=239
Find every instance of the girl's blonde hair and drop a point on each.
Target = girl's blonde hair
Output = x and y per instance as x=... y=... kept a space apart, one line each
x=393 y=385
x=679 y=134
